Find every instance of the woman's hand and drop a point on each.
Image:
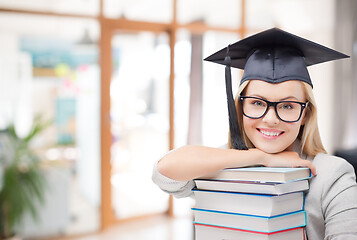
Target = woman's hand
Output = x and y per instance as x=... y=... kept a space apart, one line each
x=287 y=159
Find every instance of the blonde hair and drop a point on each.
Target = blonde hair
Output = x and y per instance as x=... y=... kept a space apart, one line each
x=309 y=135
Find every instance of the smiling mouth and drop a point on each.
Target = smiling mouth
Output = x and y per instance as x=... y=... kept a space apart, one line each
x=269 y=133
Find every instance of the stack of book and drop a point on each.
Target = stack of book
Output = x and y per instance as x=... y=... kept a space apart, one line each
x=251 y=203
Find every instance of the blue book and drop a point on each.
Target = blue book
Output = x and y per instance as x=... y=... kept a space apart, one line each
x=250 y=222
x=251 y=204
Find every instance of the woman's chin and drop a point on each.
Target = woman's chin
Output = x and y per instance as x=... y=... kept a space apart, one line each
x=270 y=149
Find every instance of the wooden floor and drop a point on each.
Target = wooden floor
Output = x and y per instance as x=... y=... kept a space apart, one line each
x=154 y=228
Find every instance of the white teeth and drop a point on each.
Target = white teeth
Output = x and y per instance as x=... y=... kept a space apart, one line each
x=270 y=133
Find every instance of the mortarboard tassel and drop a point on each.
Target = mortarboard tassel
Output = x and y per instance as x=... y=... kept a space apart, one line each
x=236 y=137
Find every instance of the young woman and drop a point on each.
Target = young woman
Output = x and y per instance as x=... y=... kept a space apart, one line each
x=276 y=113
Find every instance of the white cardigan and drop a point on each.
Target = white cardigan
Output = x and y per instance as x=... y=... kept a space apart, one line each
x=331 y=203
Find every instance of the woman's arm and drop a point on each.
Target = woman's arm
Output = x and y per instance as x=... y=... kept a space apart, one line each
x=331 y=203
x=190 y=162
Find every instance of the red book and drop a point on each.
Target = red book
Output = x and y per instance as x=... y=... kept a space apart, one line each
x=207 y=232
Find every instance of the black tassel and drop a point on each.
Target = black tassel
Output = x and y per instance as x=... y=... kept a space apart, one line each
x=236 y=136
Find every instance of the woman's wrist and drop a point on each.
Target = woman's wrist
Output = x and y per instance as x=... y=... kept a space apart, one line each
x=259 y=157
x=245 y=158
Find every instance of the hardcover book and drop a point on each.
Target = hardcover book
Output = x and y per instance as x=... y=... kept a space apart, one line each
x=250 y=222
x=261 y=174
x=207 y=232
x=247 y=203
x=252 y=187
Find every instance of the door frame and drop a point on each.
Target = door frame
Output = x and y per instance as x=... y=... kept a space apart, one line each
x=110 y=27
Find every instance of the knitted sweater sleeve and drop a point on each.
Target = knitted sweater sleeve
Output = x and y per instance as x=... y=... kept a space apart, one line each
x=178 y=189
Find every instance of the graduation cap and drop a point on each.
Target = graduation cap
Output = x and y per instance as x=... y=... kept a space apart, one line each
x=273 y=56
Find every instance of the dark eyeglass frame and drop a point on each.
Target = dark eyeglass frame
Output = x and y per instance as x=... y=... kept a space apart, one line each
x=273 y=104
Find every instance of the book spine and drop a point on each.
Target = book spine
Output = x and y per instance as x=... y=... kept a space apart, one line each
x=250 y=215
x=249 y=231
x=226 y=225
x=245 y=217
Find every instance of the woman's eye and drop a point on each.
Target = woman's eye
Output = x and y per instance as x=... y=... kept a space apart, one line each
x=287 y=106
x=258 y=103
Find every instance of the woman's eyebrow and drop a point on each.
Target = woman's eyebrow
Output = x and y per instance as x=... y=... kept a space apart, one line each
x=258 y=96
x=289 y=97
x=282 y=99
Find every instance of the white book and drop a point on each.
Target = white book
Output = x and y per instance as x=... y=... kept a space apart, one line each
x=250 y=222
x=205 y=232
x=260 y=174
x=246 y=203
x=252 y=187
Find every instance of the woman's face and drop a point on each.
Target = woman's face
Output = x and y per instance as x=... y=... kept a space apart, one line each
x=269 y=133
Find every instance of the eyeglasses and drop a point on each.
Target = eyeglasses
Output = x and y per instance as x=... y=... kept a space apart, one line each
x=286 y=111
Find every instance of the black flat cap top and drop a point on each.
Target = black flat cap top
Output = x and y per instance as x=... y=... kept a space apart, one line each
x=275 y=56
x=313 y=53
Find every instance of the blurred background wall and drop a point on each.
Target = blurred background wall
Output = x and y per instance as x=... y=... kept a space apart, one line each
x=122 y=82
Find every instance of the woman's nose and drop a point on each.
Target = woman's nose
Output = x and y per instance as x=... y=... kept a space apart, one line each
x=270 y=117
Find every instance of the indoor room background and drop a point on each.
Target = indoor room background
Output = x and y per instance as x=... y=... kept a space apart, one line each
x=121 y=82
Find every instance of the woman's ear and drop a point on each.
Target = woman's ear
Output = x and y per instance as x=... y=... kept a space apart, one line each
x=305 y=116
x=303 y=120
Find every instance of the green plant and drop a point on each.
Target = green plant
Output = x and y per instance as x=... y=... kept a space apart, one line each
x=23 y=183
